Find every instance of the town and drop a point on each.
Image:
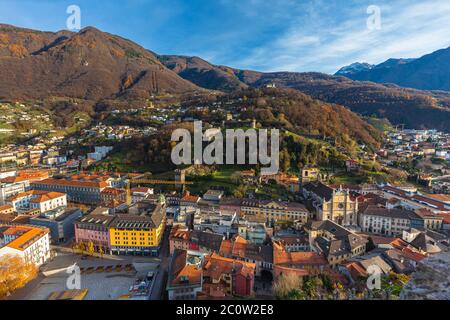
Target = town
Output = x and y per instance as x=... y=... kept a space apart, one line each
x=164 y=239
x=225 y=158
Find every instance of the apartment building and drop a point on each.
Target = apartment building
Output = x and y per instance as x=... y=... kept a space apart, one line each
x=138 y=234
x=31 y=244
x=185 y=279
x=336 y=242
x=79 y=191
x=111 y=195
x=390 y=222
x=275 y=210
x=8 y=190
x=94 y=228
x=37 y=200
x=60 y=222
x=228 y=276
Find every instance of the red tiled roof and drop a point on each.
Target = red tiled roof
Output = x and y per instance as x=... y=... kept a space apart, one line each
x=6 y=207
x=30 y=236
x=13 y=179
x=113 y=191
x=413 y=255
x=177 y=233
x=41 y=195
x=74 y=183
x=190 y=198
x=215 y=266
x=281 y=256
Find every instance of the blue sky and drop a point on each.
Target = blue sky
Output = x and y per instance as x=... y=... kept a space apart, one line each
x=265 y=35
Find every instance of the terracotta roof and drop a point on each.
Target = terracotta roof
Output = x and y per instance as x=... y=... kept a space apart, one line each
x=189 y=275
x=393 y=201
x=356 y=270
x=140 y=189
x=73 y=183
x=33 y=175
x=215 y=266
x=425 y=213
x=27 y=239
x=41 y=195
x=235 y=247
x=6 y=207
x=181 y=234
x=439 y=197
x=446 y=217
x=190 y=198
x=113 y=191
x=16 y=231
x=13 y=179
x=212 y=291
x=47 y=196
x=281 y=256
x=395 y=242
x=413 y=255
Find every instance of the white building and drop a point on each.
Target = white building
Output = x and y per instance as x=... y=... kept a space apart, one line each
x=10 y=189
x=6 y=174
x=389 y=222
x=29 y=243
x=38 y=199
x=140 y=193
x=99 y=153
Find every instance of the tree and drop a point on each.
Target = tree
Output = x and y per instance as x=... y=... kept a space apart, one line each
x=285 y=160
x=14 y=274
x=90 y=248
x=236 y=177
x=101 y=251
x=288 y=287
x=240 y=191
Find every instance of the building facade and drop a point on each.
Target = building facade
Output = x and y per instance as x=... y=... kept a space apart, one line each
x=138 y=234
x=30 y=244
x=60 y=222
x=94 y=228
x=88 y=192
x=334 y=204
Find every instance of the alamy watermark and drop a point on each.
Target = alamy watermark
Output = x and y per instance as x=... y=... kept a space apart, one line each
x=73 y=22
x=236 y=142
x=374 y=280
x=374 y=20
x=74 y=280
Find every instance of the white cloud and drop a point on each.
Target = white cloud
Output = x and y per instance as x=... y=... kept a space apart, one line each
x=328 y=42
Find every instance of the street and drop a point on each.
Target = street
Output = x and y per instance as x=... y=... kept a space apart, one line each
x=160 y=280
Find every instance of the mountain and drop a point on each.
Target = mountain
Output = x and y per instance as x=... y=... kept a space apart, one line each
x=412 y=107
x=430 y=72
x=203 y=73
x=88 y=65
x=103 y=70
x=354 y=68
x=297 y=112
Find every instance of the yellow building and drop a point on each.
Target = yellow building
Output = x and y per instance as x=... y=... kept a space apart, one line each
x=138 y=234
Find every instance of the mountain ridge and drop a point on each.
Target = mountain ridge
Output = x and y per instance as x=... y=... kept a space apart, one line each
x=89 y=64
x=429 y=72
x=97 y=66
